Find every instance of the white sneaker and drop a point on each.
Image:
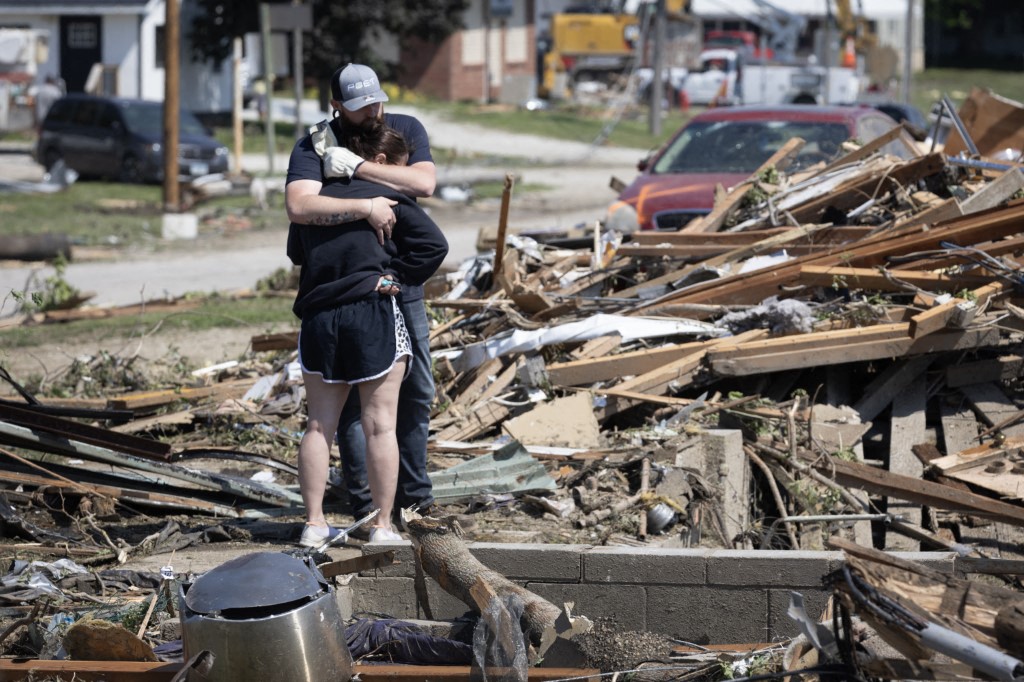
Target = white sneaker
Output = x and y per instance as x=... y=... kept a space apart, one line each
x=314 y=536
x=384 y=535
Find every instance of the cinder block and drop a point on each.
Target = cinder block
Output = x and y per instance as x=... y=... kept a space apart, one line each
x=645 y=566
x=343 y=594
x=393 y=597
x=443 y=606
x=625 y=604
x=524 y=561
x=706 y=615
x=780 y=625
x=405 y=561
x=767 y=568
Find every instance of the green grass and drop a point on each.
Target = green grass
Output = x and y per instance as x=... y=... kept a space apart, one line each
x=929 y=86
x=214 y=312
x=114 y=214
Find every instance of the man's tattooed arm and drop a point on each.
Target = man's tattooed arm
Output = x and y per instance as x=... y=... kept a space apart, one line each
x=334 y=218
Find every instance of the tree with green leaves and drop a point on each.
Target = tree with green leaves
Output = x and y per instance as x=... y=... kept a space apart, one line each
x=343 y=32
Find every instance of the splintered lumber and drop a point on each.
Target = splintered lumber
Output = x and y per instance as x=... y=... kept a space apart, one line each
x=754 y=287
x=917 y=490
x=858 y=190
x=957 y=312
x=444 y=557
x=235 y=388
x=954 y=602
x=880 y=279
x=588 y=371
x=120 y=442
x=839 y=347
x=279 y=341
x=881 y=392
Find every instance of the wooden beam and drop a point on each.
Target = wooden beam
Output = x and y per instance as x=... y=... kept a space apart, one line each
x=915 y=489
x=145 y=399
x=840 y=353
x=879 y=279
x=588 y=371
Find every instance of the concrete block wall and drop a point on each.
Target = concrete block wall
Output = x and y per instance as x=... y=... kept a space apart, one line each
x=708 y=596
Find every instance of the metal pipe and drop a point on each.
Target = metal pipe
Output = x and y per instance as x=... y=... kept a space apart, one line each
x=960 y=128
x=992 y=662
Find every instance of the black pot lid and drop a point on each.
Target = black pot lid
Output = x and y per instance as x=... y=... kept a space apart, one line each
x=255 y=580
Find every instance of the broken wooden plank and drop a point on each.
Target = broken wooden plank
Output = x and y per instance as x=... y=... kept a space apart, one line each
x=279 y=341
x=993 y=406
x=357 y=564
x=234 y=388
x=134 y=445
x=589 y=371
x=837 y=353
x=917 y=490
x=884 y=388
x=957 y=312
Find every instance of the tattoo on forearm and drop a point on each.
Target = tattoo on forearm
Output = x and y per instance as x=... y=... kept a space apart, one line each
x=333 y=219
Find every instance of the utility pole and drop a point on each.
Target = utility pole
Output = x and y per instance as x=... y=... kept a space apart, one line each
x=297 y=70
x=172 y=103
x=236 y=103
x=658 y=77
x=268 y=79
x=908 y=54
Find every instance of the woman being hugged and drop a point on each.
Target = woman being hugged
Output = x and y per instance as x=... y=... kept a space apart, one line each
x=353 y=333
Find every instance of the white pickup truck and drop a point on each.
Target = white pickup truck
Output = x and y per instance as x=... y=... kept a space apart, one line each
x=726 y=79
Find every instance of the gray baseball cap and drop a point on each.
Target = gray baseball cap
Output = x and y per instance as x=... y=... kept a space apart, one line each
x=356 y=86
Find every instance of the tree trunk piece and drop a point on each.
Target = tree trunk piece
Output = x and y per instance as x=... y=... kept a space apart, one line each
x=445 y=558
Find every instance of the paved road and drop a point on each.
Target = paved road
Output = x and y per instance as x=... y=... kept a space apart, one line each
x=576 y=177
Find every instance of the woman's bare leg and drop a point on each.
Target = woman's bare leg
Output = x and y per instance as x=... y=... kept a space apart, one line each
x=323 y=406
x=380 y=411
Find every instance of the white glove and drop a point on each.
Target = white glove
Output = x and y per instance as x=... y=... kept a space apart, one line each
x=339 y=162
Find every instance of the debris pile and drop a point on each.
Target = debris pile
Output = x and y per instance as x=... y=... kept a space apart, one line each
x=830 y=358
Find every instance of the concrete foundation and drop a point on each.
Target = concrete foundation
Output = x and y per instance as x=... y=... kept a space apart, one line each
x=701 y=596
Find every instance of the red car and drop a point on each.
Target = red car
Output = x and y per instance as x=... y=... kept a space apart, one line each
x=724 y=146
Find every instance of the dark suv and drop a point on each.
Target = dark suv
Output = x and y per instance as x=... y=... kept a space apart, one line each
x=118 y=138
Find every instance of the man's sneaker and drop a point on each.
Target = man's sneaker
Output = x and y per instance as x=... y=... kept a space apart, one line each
x=385 y=535
x=314 y=536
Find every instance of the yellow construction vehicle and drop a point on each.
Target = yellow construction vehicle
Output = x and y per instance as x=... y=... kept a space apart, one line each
x=595 y=43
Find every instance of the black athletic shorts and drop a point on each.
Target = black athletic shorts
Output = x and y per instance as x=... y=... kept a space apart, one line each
x=354 y=342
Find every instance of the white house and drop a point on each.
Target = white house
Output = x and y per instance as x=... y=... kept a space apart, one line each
x=120 y=43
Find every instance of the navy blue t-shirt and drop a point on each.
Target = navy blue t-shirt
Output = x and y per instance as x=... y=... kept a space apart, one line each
x=306 y=164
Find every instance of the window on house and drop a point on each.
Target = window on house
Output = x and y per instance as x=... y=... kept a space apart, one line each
x=160 y=42
x=83 y=35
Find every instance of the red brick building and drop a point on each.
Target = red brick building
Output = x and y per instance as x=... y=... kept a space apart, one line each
x=492 y=59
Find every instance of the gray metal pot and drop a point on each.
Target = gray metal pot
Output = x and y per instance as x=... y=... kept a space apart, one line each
x=263 y=616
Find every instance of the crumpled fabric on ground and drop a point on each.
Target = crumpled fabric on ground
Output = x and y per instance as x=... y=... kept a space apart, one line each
x=28 y=581
x=399 y=641
x=787 y=316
